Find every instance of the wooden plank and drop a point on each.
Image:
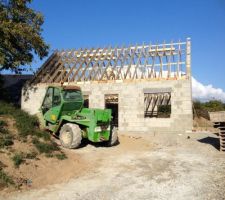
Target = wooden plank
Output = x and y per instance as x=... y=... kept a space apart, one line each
x=76 y=61
x=155 y=100
x=114 y=68
x=95 y=65
x=60 y=65
x=87 y=65
x=106 y=67
x=124 y=57
x=39 y=74
x=149 y=103
x=81 y=64
x=130 y=63
x=107 y=50
x=54 y=67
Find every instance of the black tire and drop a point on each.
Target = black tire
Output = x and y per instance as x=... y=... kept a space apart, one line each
x=113 y=138
x=70 y=135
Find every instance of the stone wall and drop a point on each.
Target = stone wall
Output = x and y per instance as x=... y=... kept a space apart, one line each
x=131 y=103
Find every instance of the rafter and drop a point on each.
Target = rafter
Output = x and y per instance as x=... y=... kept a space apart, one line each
x=153 y=61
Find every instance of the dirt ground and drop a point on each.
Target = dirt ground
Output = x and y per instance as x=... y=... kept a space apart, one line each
x=183 y=166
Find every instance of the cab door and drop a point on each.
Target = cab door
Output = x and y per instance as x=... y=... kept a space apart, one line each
x=51 y=105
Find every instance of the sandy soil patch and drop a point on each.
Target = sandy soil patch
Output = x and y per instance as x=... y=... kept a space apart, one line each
x=144 y=167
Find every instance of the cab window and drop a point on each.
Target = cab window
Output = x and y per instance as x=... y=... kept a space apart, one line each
x=56 y=97
x=47 y=104
x=72 y=95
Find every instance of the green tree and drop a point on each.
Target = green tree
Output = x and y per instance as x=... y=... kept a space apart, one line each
x=201 y=109
x=20 y=35
x=214 y=105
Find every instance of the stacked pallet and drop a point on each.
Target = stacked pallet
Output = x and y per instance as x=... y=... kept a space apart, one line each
x=221 y=127
x=218 y=119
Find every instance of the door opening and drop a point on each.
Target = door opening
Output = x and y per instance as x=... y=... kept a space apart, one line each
x=111 y=102
x=86 y=101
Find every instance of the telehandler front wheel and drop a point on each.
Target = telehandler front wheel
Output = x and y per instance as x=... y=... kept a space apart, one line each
x=70 y=135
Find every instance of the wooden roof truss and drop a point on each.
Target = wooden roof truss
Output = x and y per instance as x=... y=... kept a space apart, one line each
x=158 y=61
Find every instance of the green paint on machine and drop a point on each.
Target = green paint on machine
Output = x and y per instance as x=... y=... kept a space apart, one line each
x=63 y=114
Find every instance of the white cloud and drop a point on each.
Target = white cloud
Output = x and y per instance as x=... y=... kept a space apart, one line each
x=206 y=92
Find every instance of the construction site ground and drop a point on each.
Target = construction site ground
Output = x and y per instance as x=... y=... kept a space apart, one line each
x=141 y=166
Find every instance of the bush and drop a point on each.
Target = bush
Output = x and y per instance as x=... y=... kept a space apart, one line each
x=31 y=155
x=164 y=111
x=48 y=148
x=201 y=109
x=2 y=127
x=27 y=126
x=61 y=156
x=18 y=159
x=5 y=180
x=214 y=105
x=49 y=155
x=25 y=123
x=6 y=139
x=2 y=123
x=45 y=147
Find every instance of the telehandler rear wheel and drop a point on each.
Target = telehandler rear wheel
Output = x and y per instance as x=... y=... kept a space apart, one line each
x=70 y=135
x=113 y=139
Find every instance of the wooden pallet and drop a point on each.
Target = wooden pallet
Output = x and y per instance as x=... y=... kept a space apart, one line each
x=222 y=138
x=221 y=127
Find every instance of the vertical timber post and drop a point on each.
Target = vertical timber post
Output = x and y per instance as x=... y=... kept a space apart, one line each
x=188 y=58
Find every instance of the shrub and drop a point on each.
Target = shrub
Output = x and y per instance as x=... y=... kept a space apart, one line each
x=214 y=105
x=31 y=155
x=45 y=147
x=27 y=126
x=49 y=155
x=2 y=165
x=2 y=123
x=2 y=127
x=61 y=156
x=5 y=180
x=201 y=109
x=25 y=123
x=164 y=111
x=6 y=140
x=48 y=148
x=18 y=159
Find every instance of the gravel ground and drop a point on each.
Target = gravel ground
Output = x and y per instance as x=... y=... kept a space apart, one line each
x=144 y=167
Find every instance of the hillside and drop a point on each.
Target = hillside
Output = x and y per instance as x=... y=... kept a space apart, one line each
x=29 y=157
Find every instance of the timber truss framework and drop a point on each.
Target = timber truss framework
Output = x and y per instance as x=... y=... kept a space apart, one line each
x=153 y=61
x=153 y=100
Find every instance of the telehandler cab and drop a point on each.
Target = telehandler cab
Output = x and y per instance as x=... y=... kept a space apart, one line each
x=63 y=114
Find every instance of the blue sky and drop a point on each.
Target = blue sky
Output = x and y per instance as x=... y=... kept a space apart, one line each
x=83 y=23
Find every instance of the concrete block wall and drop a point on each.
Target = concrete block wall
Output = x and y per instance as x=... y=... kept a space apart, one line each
x=131 y=104
x=32 y=98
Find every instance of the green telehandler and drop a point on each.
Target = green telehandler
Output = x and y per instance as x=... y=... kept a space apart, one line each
x=63 y=114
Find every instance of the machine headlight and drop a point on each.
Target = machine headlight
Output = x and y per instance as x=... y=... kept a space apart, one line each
x=98 y=129
x=102 y=128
